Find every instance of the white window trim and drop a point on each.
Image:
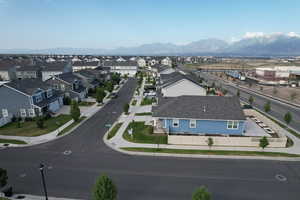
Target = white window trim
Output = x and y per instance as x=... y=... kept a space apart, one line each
x=23 y=112
x=232 y=123
x=5 y=112
x=193 y=121
x=174 y=122
x=49 y=93
x=38 y=98
x=31 y=112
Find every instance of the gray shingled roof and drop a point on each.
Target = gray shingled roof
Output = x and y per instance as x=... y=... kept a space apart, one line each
x=200 y=107
x=122 y=63
x=28 y=86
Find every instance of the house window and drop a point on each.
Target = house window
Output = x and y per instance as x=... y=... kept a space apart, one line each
x=38 y=98
x=4 y=113
x=232 y=124
x=23 y=112
x=56 y=86
x=175 y=123
x=31 y=112
x=49 y=93
x=62 y=86
x=193 y=124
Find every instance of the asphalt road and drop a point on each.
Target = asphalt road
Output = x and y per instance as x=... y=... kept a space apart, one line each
x=278 y=109
x=141 y=177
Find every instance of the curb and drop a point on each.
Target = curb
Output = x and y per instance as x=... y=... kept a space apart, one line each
x=136 y=153
x=57 y=137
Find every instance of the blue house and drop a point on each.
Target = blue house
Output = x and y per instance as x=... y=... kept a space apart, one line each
x=199 y=115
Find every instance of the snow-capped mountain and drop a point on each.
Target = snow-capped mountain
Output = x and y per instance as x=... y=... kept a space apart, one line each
x=252 y=44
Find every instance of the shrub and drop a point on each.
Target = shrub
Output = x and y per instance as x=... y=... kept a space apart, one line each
x=40 y=122
x=3 y=177
x=105 y=189
x=66 y=100
x=75 y=111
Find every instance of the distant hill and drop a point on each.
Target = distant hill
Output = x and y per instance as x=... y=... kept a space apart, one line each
x=263 y=45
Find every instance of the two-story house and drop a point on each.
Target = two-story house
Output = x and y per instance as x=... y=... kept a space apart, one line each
x=7 y=70
x=129 y=68
x=28 y=98
x=48 y=70
x=77 y=66
x=70 y=84
x=28 y=71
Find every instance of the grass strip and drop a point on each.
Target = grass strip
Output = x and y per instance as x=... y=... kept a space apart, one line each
x=143 y=114
x=114 y=130
x=65 y=130
x=9 y=141
x=210 y=152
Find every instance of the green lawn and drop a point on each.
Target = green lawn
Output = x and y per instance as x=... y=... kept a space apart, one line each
x=143 y=114
x=3 y=198
x=29 y=128
x=8 y=141
x=142 y=133
x=85 y=103
x=147 y=101
x=211 y=152
x=71 y=126
x=114 y=130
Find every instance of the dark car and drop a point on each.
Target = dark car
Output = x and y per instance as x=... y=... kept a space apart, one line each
x=113 y=95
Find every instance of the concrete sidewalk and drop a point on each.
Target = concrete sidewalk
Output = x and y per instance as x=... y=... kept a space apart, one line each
x=118 y=142
x=88 y=112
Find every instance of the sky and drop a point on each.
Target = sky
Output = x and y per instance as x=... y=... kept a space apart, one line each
x=41 y=24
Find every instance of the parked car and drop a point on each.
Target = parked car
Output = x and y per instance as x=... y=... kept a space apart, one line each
x=113 y=95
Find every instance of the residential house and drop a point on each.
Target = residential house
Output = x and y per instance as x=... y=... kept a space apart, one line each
x=90 y=78
x=166 y=61
x=177 y=84
x=77 y=66
x=141 y=62
x=129 y=68
x=28 y=98
x=48 y=70
x=7 y=70
x=70 y=84
x=199 y=115
x=28 y=71
x=162 y=69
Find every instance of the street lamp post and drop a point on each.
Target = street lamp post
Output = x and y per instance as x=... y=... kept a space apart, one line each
x=43 y=179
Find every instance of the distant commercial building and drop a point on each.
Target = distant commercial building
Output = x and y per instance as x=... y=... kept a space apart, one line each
x=277 y=74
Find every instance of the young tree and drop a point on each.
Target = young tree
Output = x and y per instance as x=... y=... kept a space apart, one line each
x=116 y=78
x=267 y=106
x=126 y=108
x=210 y=142
x=75 y=111
x=288 y=118
x=263 y=142
x=251 y=100
x=40 y=122
x=109 y=86
x=105 y=189
x=100 y=94
x=238 y=93
x=3 y=177
x=201 y=194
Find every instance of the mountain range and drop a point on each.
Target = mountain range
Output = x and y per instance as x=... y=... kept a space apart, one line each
x=255 y=45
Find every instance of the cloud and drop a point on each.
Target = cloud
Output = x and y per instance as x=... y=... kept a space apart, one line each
x=293 y=34
x=249 y=35
x=253 y=34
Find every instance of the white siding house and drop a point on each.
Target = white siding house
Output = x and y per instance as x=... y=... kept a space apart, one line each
x=183 y=87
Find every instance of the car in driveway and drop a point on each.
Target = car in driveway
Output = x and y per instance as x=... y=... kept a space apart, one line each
x=114 y=95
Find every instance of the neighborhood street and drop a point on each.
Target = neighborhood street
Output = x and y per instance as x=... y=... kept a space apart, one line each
x=74 y=162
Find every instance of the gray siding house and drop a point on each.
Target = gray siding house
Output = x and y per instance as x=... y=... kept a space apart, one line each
x=69 y=84
x=28 y=98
